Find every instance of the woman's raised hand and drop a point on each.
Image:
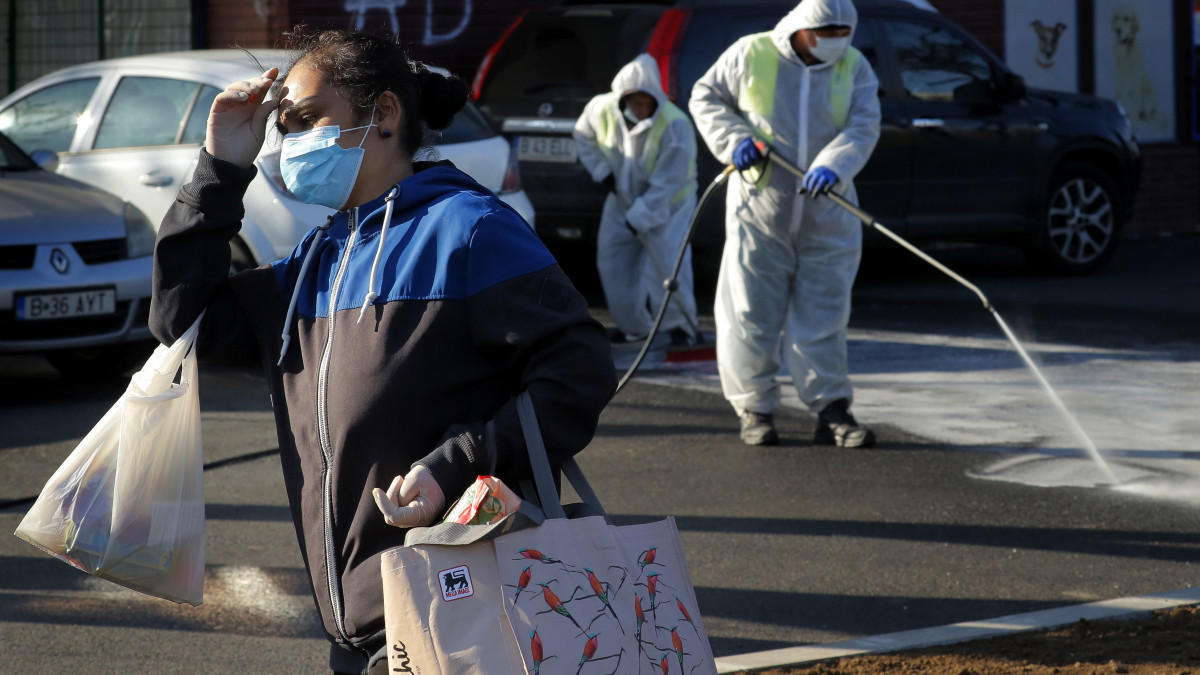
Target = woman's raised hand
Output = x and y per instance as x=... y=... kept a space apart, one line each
x=237 y=121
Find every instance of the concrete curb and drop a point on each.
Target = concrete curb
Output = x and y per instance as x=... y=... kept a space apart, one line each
x=958 y=632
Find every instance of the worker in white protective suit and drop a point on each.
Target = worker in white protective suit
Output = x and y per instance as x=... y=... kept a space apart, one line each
x=790 y=257
x=642 y=147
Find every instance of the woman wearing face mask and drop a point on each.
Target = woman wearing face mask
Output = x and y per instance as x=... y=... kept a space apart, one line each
x=397 y=335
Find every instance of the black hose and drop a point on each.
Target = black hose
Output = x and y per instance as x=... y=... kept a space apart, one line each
x=669 y=284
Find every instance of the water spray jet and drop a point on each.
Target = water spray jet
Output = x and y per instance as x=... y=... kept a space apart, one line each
x=869 y=220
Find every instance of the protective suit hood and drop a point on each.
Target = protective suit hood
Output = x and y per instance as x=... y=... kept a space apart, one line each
x=812 y=14
x=640 y=74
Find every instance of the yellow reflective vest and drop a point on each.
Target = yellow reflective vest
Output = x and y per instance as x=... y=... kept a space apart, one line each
x=606 y=137
x=758 y=93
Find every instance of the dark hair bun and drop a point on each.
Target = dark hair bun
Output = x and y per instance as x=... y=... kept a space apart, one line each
x=441 y=97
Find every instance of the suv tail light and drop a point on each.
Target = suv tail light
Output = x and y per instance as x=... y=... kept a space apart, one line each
x=512 y=175
x=664 y=47
x=486 y=64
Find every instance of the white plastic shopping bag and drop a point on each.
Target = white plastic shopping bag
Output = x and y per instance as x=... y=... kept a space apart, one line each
x=127 y=505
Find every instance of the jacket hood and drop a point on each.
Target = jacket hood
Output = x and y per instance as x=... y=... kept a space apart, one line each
x=812 y=14
x=640 y=74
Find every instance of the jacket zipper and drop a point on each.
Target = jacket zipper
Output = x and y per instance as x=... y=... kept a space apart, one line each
x=331 y=572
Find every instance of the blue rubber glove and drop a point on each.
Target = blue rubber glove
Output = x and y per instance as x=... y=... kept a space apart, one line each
x=819 y=179
x=746 y=155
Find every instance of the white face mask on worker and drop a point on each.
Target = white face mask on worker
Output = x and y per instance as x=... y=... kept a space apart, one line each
x=829 y=49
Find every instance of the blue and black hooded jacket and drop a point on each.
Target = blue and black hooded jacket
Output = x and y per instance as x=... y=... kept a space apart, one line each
x=471 y=310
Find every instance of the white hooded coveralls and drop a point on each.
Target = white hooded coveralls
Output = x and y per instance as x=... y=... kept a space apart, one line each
x=789 y=261
x=653 y=165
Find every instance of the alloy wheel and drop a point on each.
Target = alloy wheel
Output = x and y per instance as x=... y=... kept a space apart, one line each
x=1081 y=221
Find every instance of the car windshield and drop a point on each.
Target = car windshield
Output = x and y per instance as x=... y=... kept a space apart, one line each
x=12 y=158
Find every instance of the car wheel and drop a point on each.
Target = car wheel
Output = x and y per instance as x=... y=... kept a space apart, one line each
x=1080 y=225
x=239 y=257
x=100 y=363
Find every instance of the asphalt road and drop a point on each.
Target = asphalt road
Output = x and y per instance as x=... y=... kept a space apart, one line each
x=979 y=502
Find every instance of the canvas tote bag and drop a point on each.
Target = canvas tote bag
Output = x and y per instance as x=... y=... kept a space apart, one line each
x=442 y=601
x=548 y=589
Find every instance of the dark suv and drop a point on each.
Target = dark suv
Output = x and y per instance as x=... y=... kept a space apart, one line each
x=967 y=152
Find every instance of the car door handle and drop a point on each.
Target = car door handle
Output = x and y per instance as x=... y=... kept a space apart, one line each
x=155 y=179
x=928 y=123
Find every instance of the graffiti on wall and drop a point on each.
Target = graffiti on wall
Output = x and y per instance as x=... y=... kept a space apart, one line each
x=360 y=8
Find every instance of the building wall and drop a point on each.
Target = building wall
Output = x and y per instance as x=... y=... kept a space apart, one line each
x=1167 y=201
x=982 y=18
x=246 y=23
x=453 y=34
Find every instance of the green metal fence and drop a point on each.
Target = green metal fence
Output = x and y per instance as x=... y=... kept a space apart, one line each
x=40 y=36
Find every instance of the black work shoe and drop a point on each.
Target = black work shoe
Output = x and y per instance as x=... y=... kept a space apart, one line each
x=836 y=426
x=758 y=429
x=681 y=338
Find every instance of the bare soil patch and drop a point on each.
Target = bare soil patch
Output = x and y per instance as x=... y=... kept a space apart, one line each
x=1162 y=643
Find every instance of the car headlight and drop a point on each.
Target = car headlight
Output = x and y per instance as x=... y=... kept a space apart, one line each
x=139 y=233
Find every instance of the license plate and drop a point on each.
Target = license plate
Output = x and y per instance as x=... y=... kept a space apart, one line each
x=546 y=149
x=67 y=304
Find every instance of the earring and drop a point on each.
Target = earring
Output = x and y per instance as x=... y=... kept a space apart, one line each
x=386 y=133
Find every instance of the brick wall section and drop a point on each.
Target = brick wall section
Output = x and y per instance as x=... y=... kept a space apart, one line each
x=239 y=22
x=1167 y=200
x=487 y=22
x=242 y=23
x=982 y=18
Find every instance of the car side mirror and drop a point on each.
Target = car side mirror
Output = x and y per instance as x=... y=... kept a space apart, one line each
x=1012 y=86
x=975 y=92
x=47 y=159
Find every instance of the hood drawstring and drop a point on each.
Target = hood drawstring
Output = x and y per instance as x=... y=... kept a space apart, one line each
x=308 y=256
x=372 y=293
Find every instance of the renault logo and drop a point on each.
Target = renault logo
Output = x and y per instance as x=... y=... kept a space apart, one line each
x=545 y=110
x=59 y=261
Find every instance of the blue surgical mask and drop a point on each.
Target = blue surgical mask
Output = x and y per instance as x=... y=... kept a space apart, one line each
x=319 y=171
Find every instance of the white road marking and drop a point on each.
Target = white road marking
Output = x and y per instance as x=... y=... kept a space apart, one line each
x=958 y=632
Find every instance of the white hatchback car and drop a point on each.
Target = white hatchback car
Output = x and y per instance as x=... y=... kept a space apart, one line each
x=133 y=126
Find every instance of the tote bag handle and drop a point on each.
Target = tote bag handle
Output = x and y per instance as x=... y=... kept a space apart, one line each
x=543 y=477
